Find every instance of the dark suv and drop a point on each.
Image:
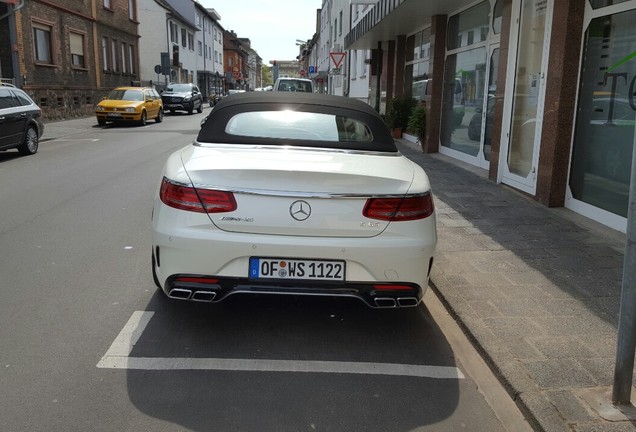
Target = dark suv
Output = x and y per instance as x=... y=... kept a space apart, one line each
x=182 y=97
x=20 y=121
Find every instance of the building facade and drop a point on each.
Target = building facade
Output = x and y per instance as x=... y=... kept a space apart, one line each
x=209 y=41
x=539 y=94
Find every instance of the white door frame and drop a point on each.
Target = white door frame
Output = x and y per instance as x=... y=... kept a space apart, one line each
x=525 y=184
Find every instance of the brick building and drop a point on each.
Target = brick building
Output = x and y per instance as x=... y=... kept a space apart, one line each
x=67 y=54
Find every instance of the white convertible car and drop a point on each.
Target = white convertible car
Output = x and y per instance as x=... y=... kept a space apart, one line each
x=291 y=193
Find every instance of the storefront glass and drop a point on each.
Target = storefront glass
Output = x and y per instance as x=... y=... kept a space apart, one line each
x=464 y=84
x=418 y=64
x=465 y=79
x=597 y=4
x=606 y=115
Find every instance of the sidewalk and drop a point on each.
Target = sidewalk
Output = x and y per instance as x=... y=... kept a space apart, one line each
x=536 y=289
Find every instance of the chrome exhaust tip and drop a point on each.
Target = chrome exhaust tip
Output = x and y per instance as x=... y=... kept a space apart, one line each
x=180 y=294
x=385 y=302
x=408 y=301
x=203 y=296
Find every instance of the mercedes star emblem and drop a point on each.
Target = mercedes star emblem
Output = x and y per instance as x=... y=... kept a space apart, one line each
x=300 y=210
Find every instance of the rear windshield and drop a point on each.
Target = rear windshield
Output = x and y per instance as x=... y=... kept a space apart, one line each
x=295 y=125
x=294 y=86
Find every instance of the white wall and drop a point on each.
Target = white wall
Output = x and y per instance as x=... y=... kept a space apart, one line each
x=153 y=38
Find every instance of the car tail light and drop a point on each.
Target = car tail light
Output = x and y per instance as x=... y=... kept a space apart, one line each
x=196 y=200
x=399 y=209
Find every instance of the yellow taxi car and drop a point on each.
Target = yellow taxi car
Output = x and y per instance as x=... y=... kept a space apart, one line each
x=130 y=104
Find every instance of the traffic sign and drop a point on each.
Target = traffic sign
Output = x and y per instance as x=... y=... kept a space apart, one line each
x=312 y=69
x=337 y=58
x=303 y=72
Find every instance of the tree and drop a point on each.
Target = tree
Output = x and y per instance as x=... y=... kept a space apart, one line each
x=267 y=76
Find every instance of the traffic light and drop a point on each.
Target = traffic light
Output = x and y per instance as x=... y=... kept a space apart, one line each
x=175 y=55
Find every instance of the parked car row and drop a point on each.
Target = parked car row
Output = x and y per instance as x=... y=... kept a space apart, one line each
x=140 y=104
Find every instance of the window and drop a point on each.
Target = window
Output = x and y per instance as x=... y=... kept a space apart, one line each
x=200 y=48
x=131 y=57
x=123 y=57
x=174 y=35
x=105 y=53
x=132 y=10
x=76 y=41
x=6 y=99
x=113 y=56
x=42 y=43
x=296 y=125
x=107 y=4
x=190 y=41
x=183 y=37
x=600 y=173
x=340 y=26
x=466 y=24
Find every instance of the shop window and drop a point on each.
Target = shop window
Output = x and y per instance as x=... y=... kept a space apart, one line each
x=497 y=16
x=597 y=4
x=606 y=114
x=466 y=24
x=464 y=84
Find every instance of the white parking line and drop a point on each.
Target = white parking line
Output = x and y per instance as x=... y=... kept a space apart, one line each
x=117 y=357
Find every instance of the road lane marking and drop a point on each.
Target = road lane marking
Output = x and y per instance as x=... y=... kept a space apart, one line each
x=118 y=357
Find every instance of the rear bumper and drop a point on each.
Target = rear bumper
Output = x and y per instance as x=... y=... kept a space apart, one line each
x=210 y=289
x=187 y=246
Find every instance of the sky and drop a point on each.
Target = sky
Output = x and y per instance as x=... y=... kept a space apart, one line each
x=271 y=26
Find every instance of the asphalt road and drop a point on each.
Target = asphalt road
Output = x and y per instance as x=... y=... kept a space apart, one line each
x=87 y=343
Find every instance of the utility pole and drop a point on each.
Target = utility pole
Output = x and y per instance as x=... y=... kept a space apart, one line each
x=626 y=344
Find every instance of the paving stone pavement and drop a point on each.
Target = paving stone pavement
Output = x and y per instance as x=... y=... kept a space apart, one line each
x=536 y=289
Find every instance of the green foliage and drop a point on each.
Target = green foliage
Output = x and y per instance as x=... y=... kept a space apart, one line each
x=417 y=122
x=398 y=112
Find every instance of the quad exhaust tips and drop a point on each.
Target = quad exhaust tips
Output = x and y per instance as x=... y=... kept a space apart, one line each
x=390 y=302
x=187 y=294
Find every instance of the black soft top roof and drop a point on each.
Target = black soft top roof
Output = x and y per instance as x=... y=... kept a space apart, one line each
x=213 y=130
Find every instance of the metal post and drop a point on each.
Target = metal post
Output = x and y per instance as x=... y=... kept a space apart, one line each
x=626 y=345
x=378 y=85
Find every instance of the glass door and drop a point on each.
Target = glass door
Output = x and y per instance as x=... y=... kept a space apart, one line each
x=480 y=127
x=530 y=35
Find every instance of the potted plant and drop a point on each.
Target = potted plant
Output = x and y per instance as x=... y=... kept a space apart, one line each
x=417 y=123
x=398 y=112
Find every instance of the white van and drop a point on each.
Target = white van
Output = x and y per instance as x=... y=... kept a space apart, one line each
x=294 y=85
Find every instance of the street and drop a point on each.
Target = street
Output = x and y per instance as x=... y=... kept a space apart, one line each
x=89 y=343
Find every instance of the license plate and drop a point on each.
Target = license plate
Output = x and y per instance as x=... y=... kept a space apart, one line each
x=283 y=268
x=114 y=114
x=170 y=105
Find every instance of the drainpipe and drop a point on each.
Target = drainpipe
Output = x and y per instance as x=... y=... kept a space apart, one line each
x=13 y=40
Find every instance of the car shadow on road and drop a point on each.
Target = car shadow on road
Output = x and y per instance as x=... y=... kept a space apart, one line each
x=297 y=329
